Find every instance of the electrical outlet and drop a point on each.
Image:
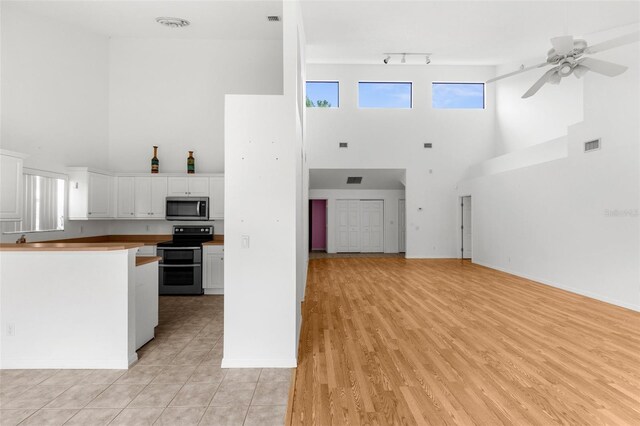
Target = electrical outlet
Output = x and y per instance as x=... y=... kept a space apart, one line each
x=11 y=329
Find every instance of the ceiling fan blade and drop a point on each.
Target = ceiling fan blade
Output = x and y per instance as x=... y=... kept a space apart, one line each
x=563 y=44
x=602 y=67
x=491 y=80
x=614 y=42
x=541 y=82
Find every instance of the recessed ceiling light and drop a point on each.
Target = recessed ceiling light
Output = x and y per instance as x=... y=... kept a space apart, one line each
x=172 y=22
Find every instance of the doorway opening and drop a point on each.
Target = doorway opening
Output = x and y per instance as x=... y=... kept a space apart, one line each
x=318 y=226
x=465 y=228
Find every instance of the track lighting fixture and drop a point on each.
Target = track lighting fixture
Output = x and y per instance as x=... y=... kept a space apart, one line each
x=403 y=57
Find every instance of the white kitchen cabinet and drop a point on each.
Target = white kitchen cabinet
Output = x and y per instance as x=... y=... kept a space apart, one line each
x=11 y=186
x=90 y=194
x=216 y=197
x=126 y=197
x=188 y=186
x=150 y=196
x=213 y=269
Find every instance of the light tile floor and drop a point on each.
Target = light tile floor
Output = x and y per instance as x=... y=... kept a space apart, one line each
x=177 y=381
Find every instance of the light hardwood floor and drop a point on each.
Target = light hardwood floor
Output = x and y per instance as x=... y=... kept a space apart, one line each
x=392 y=341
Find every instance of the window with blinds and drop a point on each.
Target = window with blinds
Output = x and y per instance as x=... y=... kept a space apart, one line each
x=43 y=204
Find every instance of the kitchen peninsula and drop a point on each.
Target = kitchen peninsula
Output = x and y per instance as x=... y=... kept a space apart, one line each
x=68 y=305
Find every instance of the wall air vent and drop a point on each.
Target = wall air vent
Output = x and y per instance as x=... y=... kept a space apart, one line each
x=273 y=18
x=354 y=180
x=428 y=145
x=343 y=145
x=592 y=145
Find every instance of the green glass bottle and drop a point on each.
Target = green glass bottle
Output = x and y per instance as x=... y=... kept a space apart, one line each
x=155 y=163
x=191 y=163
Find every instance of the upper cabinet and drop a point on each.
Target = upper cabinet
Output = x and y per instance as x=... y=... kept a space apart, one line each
x=11 y=191
x=99 y=195
x=90 y=194
x=216 y=197
x=150 y=196
x=126 y=197
x=188 y=186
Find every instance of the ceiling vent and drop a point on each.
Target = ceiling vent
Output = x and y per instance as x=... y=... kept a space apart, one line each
x=354 y=180
x=428 y=145
x=172 y=22
x=273 y=18
x=343 y=145
x=593 y=145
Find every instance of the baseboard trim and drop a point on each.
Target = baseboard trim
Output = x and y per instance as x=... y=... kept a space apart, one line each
x=214 y=291
x=63 y=364
x=259 y=363
x=570 y=289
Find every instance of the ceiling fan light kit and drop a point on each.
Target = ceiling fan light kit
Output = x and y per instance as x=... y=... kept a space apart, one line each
x=567 y=56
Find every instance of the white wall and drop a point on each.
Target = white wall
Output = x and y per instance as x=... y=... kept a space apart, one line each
x=170 y=93
x=521 y=123
x=54 y=103
x=55 y=81
x=264 y=177
x=573 y=223
x=391 y=207
x=387 y=138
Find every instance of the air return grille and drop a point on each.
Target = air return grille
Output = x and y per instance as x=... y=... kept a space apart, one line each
x=273 y=18
x=428 y=145
x=592 y=145
x=343 y=145
x=354 y=180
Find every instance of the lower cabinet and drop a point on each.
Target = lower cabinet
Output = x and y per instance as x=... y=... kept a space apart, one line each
x=213 y=270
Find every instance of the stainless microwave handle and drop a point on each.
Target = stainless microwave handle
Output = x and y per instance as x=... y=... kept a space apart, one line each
x=193 y=265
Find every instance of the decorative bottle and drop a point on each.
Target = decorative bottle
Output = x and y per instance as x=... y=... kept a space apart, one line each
x=155 y=163
x=191 y=163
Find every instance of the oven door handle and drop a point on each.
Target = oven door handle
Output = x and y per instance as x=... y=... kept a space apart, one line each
x=179 y=248
x=193 y=265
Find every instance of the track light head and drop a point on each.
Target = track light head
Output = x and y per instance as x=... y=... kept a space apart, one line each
x=427 y=60
x=386 y=60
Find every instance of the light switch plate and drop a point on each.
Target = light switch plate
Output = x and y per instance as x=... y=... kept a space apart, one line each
x=244 y=242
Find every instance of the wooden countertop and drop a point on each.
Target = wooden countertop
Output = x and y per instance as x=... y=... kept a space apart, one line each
x=143 y=260
x=68 y=246
x=145 y=239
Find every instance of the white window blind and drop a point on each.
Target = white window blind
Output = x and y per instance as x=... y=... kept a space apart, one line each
x=43 y=204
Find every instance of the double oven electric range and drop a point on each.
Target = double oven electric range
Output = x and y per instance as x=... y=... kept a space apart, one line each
x=181 y=264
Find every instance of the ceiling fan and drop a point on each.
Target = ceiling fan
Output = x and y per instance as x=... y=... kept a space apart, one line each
x=567 y=56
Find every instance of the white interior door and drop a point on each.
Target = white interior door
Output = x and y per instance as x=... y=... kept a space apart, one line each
x=342 y=225
x=466 y=228
x=402 y=226
x=371 y=226
x=354 y=226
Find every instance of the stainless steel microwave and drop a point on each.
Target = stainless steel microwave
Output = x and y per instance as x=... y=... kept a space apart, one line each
x=187 y=208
